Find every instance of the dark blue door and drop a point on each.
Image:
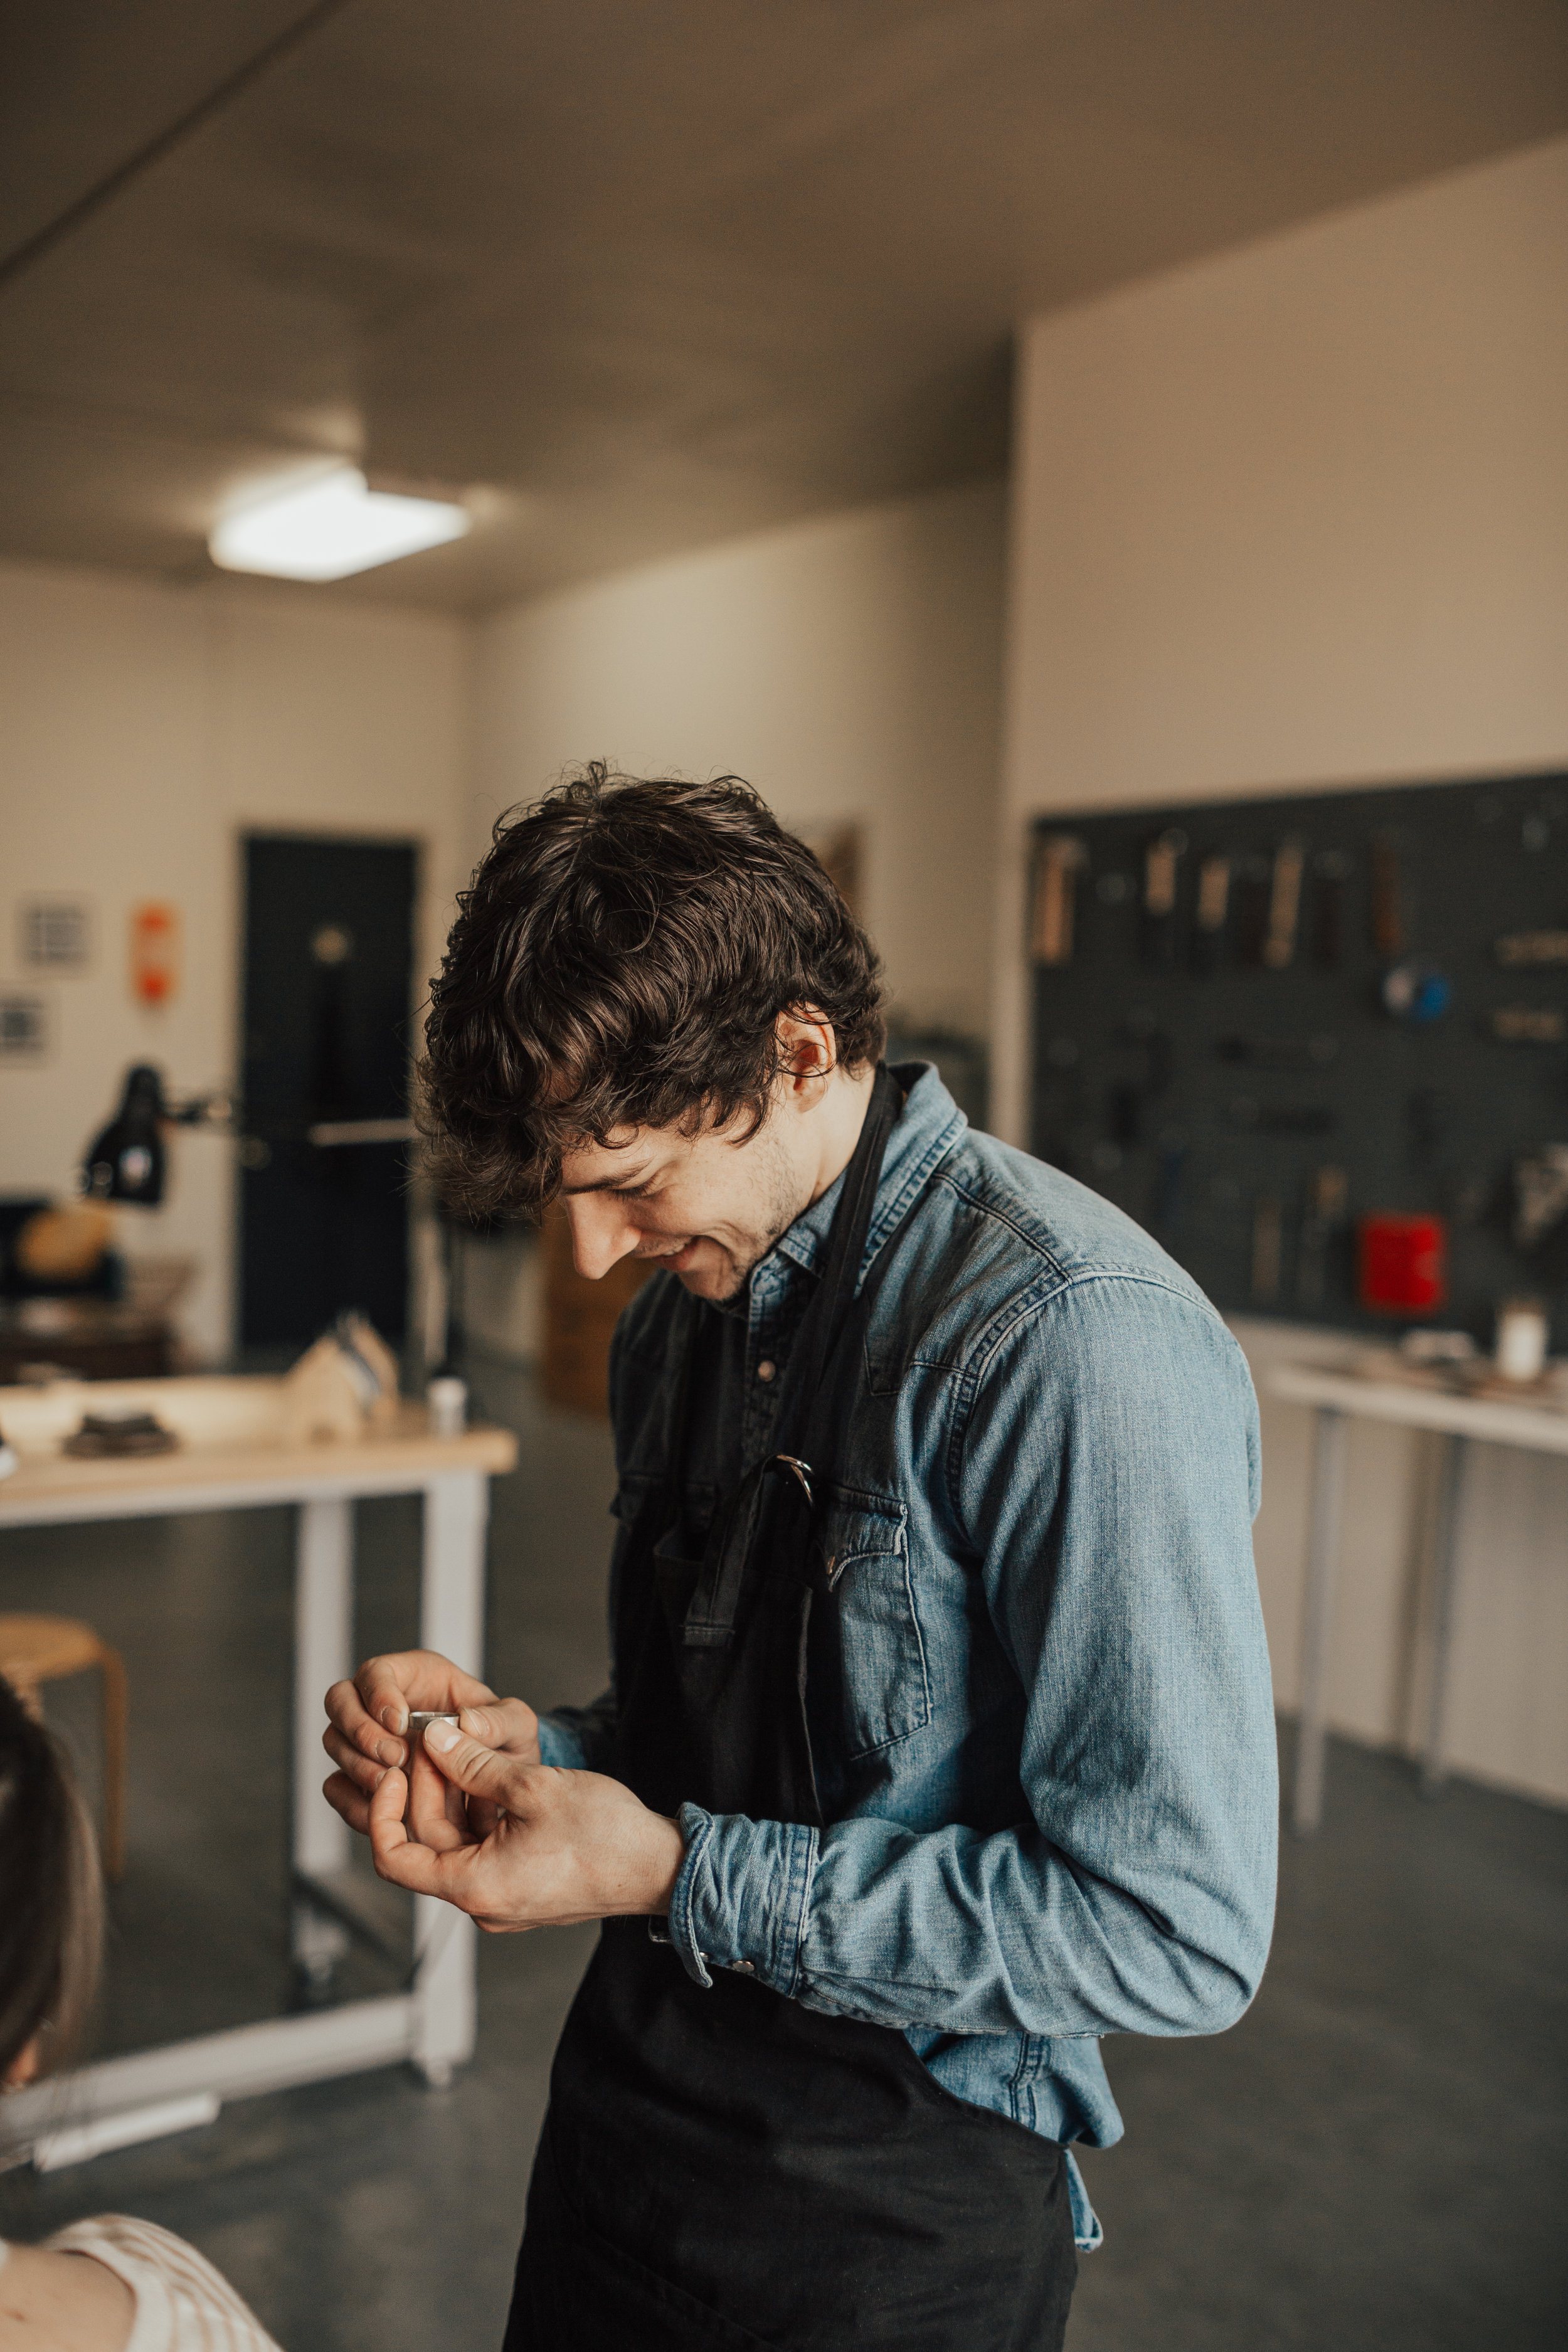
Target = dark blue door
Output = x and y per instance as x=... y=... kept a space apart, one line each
x=329 y=943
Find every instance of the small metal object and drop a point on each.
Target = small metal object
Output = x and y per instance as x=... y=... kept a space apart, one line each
x=421 y=1718
x=801 y=1472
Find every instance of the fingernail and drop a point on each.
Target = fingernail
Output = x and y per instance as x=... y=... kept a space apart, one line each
x=394 y=1717
x=389 y=1750
x=378 y=1781
x=441 y=1735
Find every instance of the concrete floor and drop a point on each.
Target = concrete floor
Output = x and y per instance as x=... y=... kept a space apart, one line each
x=1372 y=2162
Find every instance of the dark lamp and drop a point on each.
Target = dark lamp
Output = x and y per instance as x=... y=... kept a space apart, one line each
x=127 y=1161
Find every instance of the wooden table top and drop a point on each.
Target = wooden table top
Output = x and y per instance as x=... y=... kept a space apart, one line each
x=227 y=1428
x=1542 y=1428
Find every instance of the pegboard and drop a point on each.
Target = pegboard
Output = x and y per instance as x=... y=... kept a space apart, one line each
x=1258 y=1021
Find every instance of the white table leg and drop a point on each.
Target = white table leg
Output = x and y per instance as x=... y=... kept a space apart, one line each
x=452 y=1621
x=323 y=1647
x=1317 y=1626
x=1444 y=1550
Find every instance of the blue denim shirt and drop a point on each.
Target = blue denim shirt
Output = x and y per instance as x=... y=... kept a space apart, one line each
x=1050 y=1768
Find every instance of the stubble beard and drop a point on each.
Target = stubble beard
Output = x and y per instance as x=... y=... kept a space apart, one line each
x=779 y=1190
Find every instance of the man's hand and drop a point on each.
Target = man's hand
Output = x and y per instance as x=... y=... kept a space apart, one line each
x=563 y=1847
x=368 y=1715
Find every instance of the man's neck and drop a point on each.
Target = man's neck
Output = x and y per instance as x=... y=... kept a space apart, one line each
x=842 y=1109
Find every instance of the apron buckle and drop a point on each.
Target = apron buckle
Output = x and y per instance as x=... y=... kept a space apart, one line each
x=801 y=1472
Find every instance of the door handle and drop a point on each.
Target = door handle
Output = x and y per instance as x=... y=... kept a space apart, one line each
x=328 y=1133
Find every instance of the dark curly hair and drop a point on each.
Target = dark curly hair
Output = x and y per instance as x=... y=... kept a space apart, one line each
x=51 y=1903
x=621 y=959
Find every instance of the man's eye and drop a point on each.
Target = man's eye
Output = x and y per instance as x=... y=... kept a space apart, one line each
x=633 y=1191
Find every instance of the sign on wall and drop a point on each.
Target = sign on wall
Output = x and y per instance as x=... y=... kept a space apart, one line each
x=54 y=933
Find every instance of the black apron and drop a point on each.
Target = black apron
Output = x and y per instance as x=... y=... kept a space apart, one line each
x=725 y=2168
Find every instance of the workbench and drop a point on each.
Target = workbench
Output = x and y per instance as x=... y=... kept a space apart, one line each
x=231 y=1457
x=1336 y=1397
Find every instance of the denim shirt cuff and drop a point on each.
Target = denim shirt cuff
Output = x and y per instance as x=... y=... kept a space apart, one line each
x=742 y=1897
x=559 y=1744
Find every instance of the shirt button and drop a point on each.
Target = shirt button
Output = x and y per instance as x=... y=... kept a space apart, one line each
x=766 y=1370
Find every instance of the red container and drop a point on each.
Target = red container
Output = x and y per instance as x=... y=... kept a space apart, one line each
x=1403 y=1263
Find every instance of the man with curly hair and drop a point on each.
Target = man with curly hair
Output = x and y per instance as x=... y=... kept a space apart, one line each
x=939 y=1743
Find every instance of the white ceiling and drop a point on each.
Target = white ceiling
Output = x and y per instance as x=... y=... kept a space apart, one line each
x=634 y=275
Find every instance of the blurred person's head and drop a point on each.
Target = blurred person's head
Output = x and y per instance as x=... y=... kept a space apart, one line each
x=51 y=1906
x=655 y=1003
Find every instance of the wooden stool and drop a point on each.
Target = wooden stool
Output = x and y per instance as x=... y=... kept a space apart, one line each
x=38 y=1650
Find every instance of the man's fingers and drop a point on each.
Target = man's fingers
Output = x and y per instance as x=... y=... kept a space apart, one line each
x=346 y=1799
x=477 y=1771
x=347 y=1717
x=504 y=1723
x=380 y=1682
x=366 y=1771
x=388 y=1687
x=402 y=1859
x=384 y=1820
x=436 y=1814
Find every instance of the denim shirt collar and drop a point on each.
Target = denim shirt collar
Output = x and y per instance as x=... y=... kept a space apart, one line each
x=929 y=1126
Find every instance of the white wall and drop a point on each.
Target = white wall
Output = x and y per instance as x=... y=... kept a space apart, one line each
x=849 y=668
x=1298 y=516
x=145 y=729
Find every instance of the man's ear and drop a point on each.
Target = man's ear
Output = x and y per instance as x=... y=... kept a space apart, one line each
x=808 y=1053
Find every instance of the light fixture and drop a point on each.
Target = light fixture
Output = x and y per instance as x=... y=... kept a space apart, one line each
x=332 y=527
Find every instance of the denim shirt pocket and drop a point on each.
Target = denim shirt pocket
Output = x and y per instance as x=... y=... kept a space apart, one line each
x=864 y=1557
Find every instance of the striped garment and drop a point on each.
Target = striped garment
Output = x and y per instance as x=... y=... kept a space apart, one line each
x=182 y=2304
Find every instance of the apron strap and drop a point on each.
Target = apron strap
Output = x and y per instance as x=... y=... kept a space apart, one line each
x=825 y=1318
x=711 y=1619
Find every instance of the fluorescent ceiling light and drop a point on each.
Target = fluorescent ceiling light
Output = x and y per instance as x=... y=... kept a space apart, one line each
x=330 y=527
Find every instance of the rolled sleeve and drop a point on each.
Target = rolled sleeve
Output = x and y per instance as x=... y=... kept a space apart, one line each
x=560 y=1744
x=579 y=1738
x=742 y=1899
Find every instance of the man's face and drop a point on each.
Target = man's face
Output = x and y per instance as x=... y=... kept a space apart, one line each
x=707 y=1206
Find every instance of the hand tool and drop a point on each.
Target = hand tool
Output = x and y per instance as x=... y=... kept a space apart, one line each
x=1327 y=1190
x=1058 y=863
x=1331 y=870
x=1530 y=1024
x=1212 y=913
x=1161 y=865
x=1268 y=1224
x=1284 y=905
x=1387 y=915
x=1532 y=947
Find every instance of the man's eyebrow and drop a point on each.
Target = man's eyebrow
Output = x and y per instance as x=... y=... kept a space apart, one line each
x=607 y=1184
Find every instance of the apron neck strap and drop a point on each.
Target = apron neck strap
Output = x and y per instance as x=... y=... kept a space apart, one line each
x=823 y=1324
x=835 y=1294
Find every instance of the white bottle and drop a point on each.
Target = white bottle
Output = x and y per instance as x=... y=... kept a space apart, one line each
x=1520 y=1352
x=447 y=1400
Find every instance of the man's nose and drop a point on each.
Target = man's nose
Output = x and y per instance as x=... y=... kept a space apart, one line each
x=602 y=1233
